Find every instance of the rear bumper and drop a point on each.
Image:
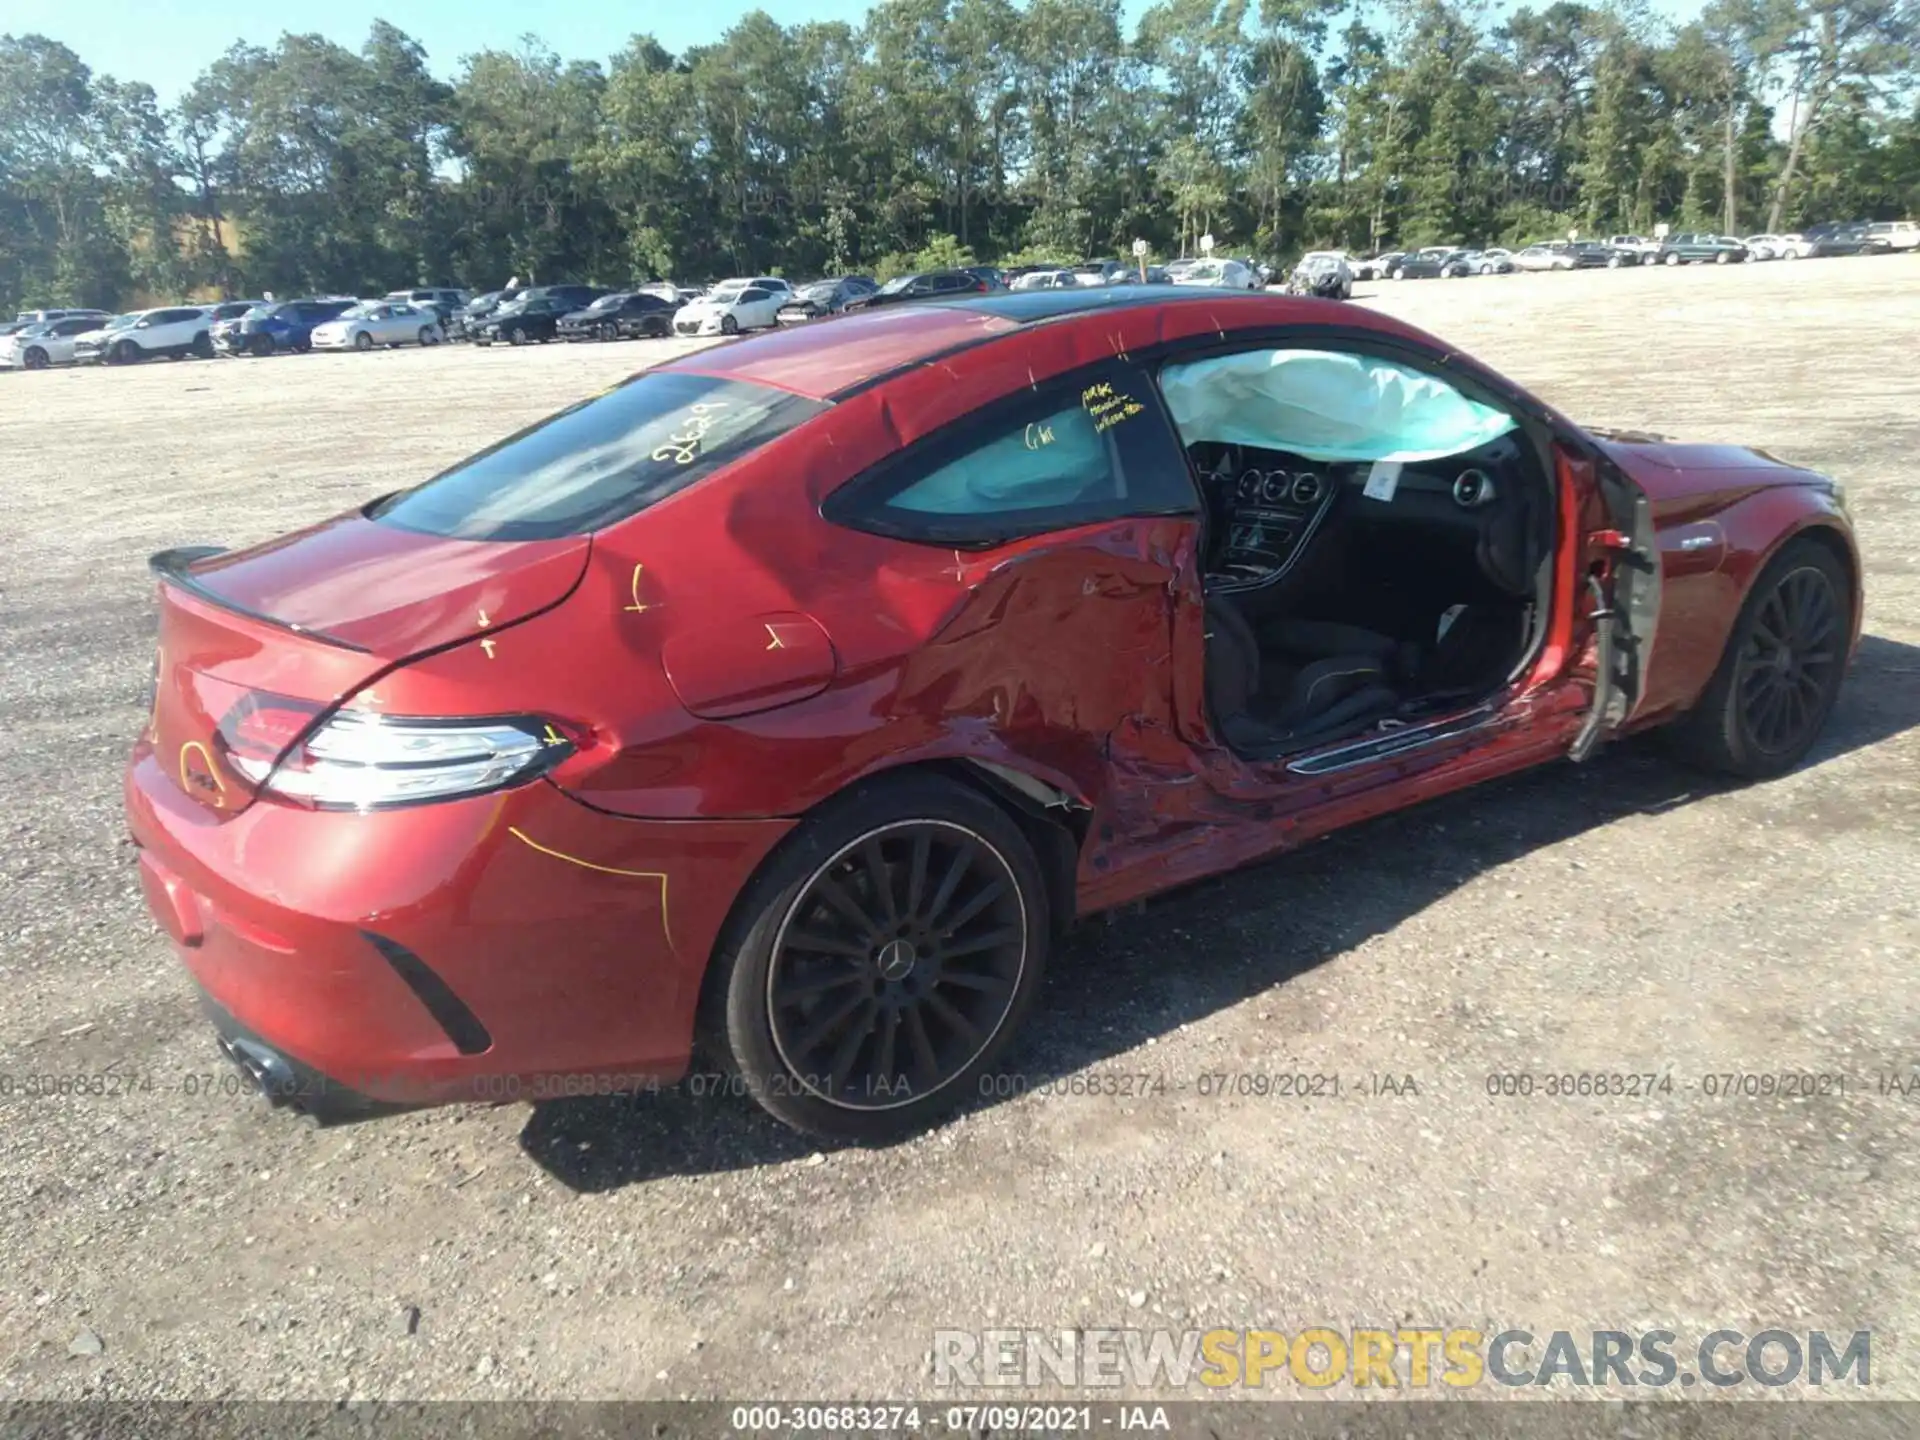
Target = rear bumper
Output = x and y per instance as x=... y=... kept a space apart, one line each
x=514 y=945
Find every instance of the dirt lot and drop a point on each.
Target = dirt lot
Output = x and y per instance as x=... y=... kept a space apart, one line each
x=1623 y=916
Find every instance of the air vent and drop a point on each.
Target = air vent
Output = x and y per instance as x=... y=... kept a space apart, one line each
x=1472 y=489
x=1250 y=485
x=1275 y=490
x=1307 y=488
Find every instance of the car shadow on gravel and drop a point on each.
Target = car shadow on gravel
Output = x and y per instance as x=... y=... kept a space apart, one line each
x=1110 y=986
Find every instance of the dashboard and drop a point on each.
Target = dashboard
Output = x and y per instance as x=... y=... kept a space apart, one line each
x=1266 y=506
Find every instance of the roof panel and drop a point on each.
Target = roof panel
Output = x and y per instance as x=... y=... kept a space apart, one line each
x=825 y=357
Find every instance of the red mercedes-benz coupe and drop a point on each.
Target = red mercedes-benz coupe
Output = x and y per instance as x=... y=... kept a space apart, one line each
x=791 y=697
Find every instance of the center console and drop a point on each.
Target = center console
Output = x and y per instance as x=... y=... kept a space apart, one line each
x=1270 y=514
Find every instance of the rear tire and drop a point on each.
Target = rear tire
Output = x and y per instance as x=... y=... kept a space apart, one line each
x=202 y=347
x=881 y=961
x=516 y=336
x=426 y=336
x=260 y=346
x=1781 y=672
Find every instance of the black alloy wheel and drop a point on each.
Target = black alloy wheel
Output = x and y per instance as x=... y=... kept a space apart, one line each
x=34 y=359
x=729 y=325
x=261 y=345
x=1782 y=669
x=897 y=964
x=882 y=960
x=124 y=353
x=1790 y=661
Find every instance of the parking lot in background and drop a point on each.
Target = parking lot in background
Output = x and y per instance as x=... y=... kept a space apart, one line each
x=1625 y=917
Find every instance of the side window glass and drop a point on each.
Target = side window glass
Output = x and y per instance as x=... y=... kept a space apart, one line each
x=1089 y=449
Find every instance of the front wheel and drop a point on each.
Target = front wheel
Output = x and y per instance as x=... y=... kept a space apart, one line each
x=363 y=342
x=882 y=960
x=1722 y=258
x=34 y=359
x=1673 y=259
x=1486 y=269
x=125 y=353
x=1613 y=262
x=516 y=336
x=729 y=325
x=260 y=346
x=1780 y=673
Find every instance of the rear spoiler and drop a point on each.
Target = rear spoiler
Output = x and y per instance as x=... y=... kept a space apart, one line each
x=175 y=568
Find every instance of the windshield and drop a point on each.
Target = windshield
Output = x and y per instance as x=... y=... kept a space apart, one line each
x=895 y=286
x=608 y=302
x=601 y=461
x=362 y=311
x=822 y=291
x=1208 y=271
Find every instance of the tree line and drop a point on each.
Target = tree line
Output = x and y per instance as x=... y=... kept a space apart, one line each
x=947 y=131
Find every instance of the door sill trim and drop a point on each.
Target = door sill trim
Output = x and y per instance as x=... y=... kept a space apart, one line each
x=1353 y=753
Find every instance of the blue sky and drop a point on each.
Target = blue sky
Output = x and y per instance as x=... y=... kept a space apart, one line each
x=168 y=42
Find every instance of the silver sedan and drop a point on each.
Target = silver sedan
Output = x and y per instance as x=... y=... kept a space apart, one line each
x=379 y=322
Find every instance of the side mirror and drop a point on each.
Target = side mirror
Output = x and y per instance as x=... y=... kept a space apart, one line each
x=146 y=324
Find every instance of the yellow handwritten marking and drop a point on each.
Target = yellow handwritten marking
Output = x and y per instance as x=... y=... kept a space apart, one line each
x=553 y=737
x=774 y=642
x=665 y=927
x=637 y=606
x=212 y=773
x=487 y=645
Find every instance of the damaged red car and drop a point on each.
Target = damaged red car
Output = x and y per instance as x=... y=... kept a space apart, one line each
x=790 y=698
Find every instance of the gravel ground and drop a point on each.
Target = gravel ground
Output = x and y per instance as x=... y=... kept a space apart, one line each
x=1622 y=916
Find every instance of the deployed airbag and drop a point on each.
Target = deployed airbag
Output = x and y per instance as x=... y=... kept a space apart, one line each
x=1326 y=406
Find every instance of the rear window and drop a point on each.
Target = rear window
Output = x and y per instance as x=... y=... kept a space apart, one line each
x=601 y=461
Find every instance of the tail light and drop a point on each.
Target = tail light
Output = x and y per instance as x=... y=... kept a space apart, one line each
x=360 y=760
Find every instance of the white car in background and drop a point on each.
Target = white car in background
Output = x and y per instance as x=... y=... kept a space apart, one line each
x=379 y=322
x=733 y=306
x=1900 y=234
x=170 y=330
x=1779 y=247
x=1221 y=274
x=1045 y=280
x=50 y=342
x=1547 y=255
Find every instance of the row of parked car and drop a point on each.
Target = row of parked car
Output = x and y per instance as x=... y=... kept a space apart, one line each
x=1619 y=251
x=536 y=314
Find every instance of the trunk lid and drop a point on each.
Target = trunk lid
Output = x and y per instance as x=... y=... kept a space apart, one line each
x=312 y=617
